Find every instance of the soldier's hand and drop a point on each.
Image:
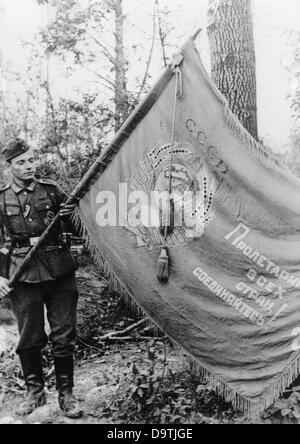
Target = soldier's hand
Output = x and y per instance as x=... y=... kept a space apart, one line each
x=67 y=210
x=4 y=288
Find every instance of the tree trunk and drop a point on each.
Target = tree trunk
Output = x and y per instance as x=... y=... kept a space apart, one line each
x=121 y=95
x=233 y=61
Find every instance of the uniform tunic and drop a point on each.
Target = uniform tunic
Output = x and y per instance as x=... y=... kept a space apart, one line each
x=49 y=279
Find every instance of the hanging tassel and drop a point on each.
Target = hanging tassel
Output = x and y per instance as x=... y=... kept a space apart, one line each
x=163 y=266
x=167 y=218
x=166 y=227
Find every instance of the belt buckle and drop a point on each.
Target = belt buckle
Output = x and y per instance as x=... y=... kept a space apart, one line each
x=33 y=241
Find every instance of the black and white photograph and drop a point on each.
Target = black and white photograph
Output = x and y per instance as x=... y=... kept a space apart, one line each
x=149 y=214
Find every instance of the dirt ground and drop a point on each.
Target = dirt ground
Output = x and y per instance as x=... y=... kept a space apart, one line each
x=103 y=384
x=97 y=381
x=136 y=378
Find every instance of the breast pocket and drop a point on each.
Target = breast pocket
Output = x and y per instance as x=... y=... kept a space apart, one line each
x=13 y=214
x=43 y=205
x=45 y=212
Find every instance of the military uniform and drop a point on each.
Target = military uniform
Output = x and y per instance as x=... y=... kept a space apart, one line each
x=48 y=280
x=24 y=215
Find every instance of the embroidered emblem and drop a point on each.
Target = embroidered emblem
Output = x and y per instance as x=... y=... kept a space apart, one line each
x=49 y=218
x=194 y=184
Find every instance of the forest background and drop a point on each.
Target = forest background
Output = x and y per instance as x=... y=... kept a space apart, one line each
x=72 y=71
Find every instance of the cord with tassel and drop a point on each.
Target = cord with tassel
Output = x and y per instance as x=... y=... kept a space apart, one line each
x=163 y=264
x=168 y=222
x=167 y=228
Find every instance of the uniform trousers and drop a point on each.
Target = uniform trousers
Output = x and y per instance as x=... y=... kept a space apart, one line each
x=60 y=297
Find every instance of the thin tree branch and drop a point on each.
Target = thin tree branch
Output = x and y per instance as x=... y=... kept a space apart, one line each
x=162 y=34
x=123 y=332
x=106 y=52
x=105 y=79
x=150 y=57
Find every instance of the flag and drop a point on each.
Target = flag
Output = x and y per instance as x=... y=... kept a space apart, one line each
x=232 y=299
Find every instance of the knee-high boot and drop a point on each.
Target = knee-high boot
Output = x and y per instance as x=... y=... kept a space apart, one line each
x=64 y=369
x=31 y=362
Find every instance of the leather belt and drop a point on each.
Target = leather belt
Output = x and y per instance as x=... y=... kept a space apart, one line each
x=32 y=241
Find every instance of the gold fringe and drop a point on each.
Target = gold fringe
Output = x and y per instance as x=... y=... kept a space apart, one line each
x=240 y=133
x=252 y=409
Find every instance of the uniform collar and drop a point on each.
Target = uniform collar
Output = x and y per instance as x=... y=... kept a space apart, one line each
x=17 y=189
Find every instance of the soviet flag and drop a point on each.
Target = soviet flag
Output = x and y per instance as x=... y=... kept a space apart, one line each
x=232 y=299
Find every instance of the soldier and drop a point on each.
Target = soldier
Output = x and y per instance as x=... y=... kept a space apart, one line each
x=27 y=207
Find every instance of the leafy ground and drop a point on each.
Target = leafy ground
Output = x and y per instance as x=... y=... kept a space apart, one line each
x=136 y=378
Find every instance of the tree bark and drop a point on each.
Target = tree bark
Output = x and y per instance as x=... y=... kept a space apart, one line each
x=233 y=60
x=121 y=95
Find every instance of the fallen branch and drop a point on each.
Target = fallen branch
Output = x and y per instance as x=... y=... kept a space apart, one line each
x=91 y=347
x=131 y=338
x=123 y=332
x=96 y=295
x=12 y=390
x=120 y=339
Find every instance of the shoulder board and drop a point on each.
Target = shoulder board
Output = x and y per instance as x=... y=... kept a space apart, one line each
x=47 y=182
x=4 y=187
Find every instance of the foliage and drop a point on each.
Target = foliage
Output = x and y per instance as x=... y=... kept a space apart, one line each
x=295 y=102
x=286 y=410
x=67 y=29
x=157 y=395
x=74 y=139
x=293 y=158
x=83 y=31
x=70 y=128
